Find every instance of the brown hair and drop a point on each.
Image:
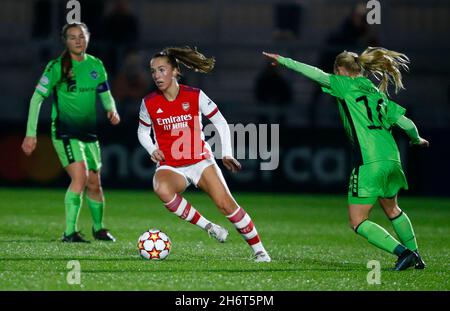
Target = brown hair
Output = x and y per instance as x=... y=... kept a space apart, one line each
x=189 y=57
x=384 y=64
x=66 y=60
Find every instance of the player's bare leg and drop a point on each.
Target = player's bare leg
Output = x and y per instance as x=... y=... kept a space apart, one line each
x=78 y=176
x=402 y=226
x=357 y=213
x=213 y=183
x=94 y=188
x=168 y=185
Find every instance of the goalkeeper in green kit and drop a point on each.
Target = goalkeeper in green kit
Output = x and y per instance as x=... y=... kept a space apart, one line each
x=74 y=79
x=368 y=116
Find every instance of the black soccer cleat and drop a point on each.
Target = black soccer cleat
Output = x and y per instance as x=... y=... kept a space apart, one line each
x=405 y=260
x=103 y=235
x=420 y=264
x=75 y=237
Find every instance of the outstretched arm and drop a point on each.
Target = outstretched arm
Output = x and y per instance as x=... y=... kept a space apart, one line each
x=411 y=130
x=308 y=71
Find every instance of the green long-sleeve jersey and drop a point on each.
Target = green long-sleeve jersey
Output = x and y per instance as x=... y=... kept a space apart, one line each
x=74 y=101
x=367 y=114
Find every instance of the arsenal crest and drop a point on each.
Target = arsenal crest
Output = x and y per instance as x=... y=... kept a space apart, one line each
x=185 y=106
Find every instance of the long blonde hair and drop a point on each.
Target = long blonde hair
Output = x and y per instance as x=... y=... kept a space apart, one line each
x=384 y=64
x=189 y=57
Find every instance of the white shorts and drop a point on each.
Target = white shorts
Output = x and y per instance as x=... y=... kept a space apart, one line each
x=191 y=173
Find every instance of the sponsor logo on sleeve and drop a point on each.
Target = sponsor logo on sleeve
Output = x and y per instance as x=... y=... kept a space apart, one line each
x=43 y=80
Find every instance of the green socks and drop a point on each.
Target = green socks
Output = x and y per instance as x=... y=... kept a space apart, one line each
x=379 y=237
x=72 y=203
x=404 y=230
x=96 y=208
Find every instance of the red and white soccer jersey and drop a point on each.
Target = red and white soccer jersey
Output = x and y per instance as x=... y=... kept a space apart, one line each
x=177 y=125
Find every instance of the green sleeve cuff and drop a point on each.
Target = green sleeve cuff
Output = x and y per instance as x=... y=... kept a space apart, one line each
x=33 y=114
x=108 y=101
x=308 y=71
x=410 y=129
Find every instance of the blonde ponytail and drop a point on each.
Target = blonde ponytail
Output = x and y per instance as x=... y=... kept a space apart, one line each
x=384 y=64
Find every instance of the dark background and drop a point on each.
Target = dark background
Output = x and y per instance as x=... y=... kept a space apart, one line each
x=314 y=154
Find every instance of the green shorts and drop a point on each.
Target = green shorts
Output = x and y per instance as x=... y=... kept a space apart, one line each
x=381 y=179
x=70 y=150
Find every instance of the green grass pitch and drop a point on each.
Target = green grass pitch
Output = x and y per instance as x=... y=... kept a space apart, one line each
x=311 y=245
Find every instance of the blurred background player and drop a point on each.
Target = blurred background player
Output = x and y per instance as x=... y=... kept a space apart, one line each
x=74 y=79
x=180 y=151
x=368 y=116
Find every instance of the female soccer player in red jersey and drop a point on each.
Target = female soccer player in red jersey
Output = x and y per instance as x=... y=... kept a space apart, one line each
x=368 y=116
x=180 y=151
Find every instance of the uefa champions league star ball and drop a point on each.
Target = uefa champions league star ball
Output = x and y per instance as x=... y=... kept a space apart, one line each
x=154 y=245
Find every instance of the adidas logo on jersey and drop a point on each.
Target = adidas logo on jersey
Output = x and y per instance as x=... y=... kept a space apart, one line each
x=159 y=110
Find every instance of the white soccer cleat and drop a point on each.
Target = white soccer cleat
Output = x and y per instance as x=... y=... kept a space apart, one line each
x=217 y=232
x=262 y=257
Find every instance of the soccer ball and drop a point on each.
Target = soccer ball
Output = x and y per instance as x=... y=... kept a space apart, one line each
x=154 y=245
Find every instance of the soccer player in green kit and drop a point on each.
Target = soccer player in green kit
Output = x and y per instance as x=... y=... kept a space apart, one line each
x=74 y=79
x=368 y=116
